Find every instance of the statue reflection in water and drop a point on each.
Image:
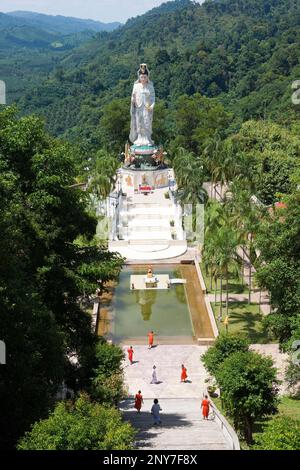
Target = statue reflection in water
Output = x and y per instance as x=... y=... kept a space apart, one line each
x=146 y=298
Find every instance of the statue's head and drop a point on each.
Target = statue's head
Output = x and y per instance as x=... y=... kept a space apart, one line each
x=143 y=73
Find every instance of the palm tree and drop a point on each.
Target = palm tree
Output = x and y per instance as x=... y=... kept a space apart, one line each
x=104 y=175
x=213 y=221
x=220 y=246
x=245 y=218
x=212 y=158
x=227 y=258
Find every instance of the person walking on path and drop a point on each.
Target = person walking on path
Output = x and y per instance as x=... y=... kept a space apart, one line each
x=205 y=407
x=138 y=401
x=154 y=376
x=183 y=374
x=150 y=339
x=155 y=412
x=130 y=354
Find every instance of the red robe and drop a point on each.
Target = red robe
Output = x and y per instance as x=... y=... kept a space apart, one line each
x=183 y=374
x=150 y=338
x=130 y=354
x=138 y=401
x=205 y=407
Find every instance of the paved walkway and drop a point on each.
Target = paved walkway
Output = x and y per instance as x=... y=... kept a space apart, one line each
x=280 y=361
x=255 y=298
x=183 y=427
x=168 y=360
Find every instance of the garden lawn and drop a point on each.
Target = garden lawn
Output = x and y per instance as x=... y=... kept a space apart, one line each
x=234 y=285
x=244 y=320
x=289 y=407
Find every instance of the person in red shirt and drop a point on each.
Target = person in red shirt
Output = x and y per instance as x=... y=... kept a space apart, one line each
x=183 y=373
x=138 y=401
x=130 y=354
x=150 y=339
x=205 y=407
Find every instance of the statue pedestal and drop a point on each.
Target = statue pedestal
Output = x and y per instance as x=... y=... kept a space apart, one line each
x=144 y=168
x=134 y=179
x=144 y=157
x=143 y=149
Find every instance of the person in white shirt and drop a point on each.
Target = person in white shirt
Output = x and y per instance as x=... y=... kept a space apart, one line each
x=154 y=376
x=155 y=412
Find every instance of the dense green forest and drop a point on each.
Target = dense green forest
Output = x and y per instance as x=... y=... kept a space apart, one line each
x=49 y=266
x=32 y=46
x=245 y=54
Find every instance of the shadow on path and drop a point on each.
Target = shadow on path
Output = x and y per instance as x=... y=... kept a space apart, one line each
x=146 y=430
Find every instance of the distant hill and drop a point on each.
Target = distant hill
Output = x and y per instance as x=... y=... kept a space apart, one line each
x=244 y=53
x=61 y=24
x=31 y=46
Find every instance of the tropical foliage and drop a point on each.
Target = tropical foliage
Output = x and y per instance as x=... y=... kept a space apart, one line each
x=82 y=425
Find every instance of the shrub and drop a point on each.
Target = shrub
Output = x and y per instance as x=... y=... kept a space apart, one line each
x=248 y=388
x=282 y=433
x=223 y=347
x=109 y=358
x=83 y=425
x=107 y=381
x=109 y=389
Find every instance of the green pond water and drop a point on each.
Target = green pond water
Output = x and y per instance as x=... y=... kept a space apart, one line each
x=136 y=312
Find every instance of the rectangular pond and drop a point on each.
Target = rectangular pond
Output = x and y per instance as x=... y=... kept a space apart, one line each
x=173 y=315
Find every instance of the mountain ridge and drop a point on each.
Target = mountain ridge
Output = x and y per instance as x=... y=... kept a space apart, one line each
x=244 y=54
x=60 y=23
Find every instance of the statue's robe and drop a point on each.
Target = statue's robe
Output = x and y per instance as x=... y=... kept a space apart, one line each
x=143 y=98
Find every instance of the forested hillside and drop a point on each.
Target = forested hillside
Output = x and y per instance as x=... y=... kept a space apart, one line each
x=244 y=53
x=61 y=24
x=32 y=45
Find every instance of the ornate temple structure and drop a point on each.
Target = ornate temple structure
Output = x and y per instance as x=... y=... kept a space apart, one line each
x=146 y=218
x=144 y=164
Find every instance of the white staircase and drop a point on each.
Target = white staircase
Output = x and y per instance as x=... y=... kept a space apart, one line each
x=182 y=426
x=144 y=228
x=149 y=221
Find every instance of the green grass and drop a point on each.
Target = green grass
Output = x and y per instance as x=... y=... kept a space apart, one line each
x=289 y=407
x=244 y=320
x=235 y=285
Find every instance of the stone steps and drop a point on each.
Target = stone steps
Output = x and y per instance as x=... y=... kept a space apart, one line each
x=155 y=235
x=146 y=222
x=182 y=426
x=152 y=216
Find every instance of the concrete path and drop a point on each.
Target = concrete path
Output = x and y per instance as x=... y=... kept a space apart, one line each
x=280 y=361
x=183 y=427
x=255 y=298
x=168 y=360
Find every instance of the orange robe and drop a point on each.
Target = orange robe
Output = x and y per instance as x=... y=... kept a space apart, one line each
x=205 y=407
x=150 y=338
x=183 y=374
x=138 y=401
x=130 y=354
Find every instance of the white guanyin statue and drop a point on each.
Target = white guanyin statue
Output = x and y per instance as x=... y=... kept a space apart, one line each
x=142 y=104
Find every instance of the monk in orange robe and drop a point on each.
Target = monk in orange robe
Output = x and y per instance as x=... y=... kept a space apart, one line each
x=130 y=354
x=183 y=373
x=138 y=401
x=150 y=339
x=205 y=407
